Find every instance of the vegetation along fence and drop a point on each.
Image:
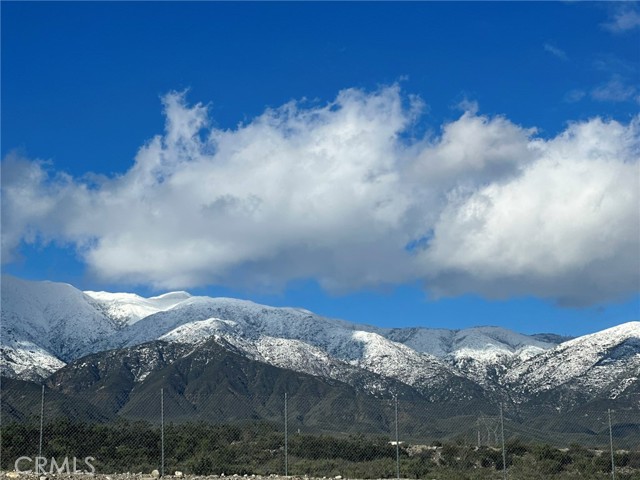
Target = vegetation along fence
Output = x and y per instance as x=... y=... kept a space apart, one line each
x=315 y=436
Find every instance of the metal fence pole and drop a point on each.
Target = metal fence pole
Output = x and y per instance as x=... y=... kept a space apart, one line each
x=613 y=465
x=286 y=437
x=162 y=432
x=397 y=442
x=41 y=429
x=0 y=418
x=504 y=453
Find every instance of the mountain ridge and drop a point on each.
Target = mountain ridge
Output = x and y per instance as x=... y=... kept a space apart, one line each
x=489 y=364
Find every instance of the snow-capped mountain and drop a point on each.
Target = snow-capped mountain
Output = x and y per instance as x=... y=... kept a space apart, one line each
x=418 y=356
x=292 y=338
x=45 y=325
x=479 y=353
x=442 y=342
x=605 y=363
x=128 y=308
x=26 y=360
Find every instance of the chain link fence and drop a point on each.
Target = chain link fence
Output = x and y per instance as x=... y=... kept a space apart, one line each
x=323 y=437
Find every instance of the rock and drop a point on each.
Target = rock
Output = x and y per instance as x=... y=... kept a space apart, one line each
x=13 y=475
x=178 y=474
x=43 y=477
x=155 y=474
x=338 y=477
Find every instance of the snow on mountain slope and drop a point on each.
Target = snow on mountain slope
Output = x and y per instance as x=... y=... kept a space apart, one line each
x=55 y=317
x=128 y=308
x=592 y=364
x=27 y=361
x=199 y=331
x=396 y=360
x=483 y=342
x=292 y=338
x=302 y=357
x=251 y=319
x=280 y=352
x=480 y=353
x=109 y=320
x=435 y=341
x=45 y=324
x=300 y=323
x=487 y=338
x=380 y=359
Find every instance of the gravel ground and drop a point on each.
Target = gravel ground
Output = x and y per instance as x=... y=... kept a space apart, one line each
x=146 y=476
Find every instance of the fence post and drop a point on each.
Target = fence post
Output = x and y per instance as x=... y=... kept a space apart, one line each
x=613 y=465
x=286 y=437
x=397 y=441
x=0 y=422
x=41 y=430
x=162 y=432
x=504 y=453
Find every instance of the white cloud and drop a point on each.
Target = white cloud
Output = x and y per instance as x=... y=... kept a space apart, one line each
x=566 y=228
x=615 y=90
x=337 y=193
x=555 y=51
x=625 y=18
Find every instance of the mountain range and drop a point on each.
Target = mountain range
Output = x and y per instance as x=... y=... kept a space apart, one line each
x=109 y=348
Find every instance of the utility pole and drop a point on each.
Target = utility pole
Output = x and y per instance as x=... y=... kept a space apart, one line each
x=162 y=432
x=286 y=437
x=613 y=465
x=504 y=453
x=397 y=443
x=41 y=430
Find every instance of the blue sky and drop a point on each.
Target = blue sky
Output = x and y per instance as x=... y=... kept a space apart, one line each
x=354 y=200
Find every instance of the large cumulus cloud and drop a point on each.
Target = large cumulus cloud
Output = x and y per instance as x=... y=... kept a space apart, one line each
x=338 y=193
